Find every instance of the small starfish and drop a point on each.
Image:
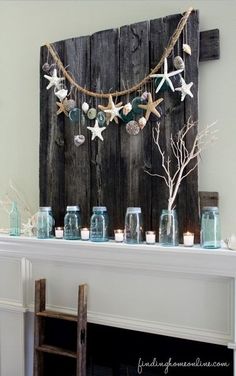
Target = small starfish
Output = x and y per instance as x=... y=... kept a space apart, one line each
x=109 y=107
x=54 y=80
x=61 y=109
x=151 y=106
x=185 y=89
x=96 y=131
x=166 y=76
x=114 y=111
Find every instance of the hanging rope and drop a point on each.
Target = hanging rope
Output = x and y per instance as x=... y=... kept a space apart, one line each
x=134 y=88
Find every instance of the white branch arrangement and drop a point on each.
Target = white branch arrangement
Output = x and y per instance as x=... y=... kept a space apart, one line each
x=183 y=155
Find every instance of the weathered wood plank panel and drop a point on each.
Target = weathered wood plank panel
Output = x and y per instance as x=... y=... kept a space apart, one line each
x=77 y=159
x=191 y=33
x=209 y=45
x=52 y=160
x=135 y=150
x=105 y=155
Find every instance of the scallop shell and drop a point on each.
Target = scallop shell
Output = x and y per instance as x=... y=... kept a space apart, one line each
x=187 y=49
x=61 y=94
x=142 y=122
x=178 y=62
x=85 y=107
x=132 y=128
x=69 y=104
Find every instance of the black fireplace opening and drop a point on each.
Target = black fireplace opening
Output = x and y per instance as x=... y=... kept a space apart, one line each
x=121 y=352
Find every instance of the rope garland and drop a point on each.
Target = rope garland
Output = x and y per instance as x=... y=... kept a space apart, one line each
x=134 y=88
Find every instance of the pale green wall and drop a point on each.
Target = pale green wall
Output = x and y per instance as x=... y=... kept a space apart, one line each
x=26 y=25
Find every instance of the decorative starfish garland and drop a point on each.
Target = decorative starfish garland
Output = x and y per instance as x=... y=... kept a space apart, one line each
x=150 y=107
x=61 y=109
x=166 y=76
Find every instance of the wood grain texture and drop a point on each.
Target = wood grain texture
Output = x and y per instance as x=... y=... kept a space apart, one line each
x=111 y=172
x=209 y=45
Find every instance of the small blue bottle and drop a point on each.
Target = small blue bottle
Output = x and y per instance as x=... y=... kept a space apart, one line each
x=72 y=223
x=99 y=224
x=15 y=223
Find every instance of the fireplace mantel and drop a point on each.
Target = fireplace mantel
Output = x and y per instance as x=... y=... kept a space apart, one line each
x=180 y=292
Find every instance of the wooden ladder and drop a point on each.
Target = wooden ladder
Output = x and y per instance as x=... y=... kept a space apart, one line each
x=59 y=338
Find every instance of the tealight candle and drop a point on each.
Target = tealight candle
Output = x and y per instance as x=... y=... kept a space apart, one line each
x=188 y=239
x=150 y=237
x=119 y=236
x=59 y=232
x=84 y=233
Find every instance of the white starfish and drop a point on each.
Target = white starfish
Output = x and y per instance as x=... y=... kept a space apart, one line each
x=96 y=131
x=61 y=94
x=165 y=76
x=54 y=80
x=185 y=89
x=114 y=111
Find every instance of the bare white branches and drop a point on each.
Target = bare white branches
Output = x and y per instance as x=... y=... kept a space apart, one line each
x=183 y=154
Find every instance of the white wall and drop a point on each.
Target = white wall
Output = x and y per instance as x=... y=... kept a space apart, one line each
x=26 y=25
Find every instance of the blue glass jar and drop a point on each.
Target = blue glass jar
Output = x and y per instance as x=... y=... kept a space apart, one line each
x=133 y=225
x=210 y=228
x=99 y=224
x=45 y=223
x=15 y=222
x=168 y=229
x=72 y=223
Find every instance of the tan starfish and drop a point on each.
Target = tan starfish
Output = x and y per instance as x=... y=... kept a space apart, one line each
x=61 y=109
x=111 y=105
x=151 y=106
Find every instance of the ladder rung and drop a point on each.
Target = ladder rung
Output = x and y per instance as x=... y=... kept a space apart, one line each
x=57 y=315
x=56 y=350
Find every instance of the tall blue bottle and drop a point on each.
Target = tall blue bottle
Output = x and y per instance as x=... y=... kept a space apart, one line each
x=15 y=223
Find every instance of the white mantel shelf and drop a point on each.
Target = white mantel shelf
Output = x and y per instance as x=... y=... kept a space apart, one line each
x=218 y=262
x=180 y=291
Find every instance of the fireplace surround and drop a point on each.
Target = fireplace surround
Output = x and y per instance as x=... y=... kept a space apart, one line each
x=183 y=293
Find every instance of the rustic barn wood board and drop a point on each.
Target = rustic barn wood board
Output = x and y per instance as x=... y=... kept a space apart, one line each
x=112 y=173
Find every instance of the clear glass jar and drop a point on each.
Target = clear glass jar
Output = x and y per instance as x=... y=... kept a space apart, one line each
x=45 y=223
x=15 y=222
x=133 y=225
x=210 y=228
x=168 y=229
x=72 y=223
x=99 y=224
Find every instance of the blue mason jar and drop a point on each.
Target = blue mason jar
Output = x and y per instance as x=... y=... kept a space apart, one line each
x=210 y=227
x=99 y=224
x=168 y=228
x=133 y=225
x=72 y=223
x=45 y=223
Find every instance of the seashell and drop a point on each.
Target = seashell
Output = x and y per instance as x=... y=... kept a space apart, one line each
x=127 y=108
x=69 y=104
x=46 y=67
x=187 y=49
x=178 y=62
x=231 y=242
x=132 y=128
x=79 y=140
x=85 y=107
x=61 y=94
x=144 y=96
x=92 y=113
x=142 y=122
